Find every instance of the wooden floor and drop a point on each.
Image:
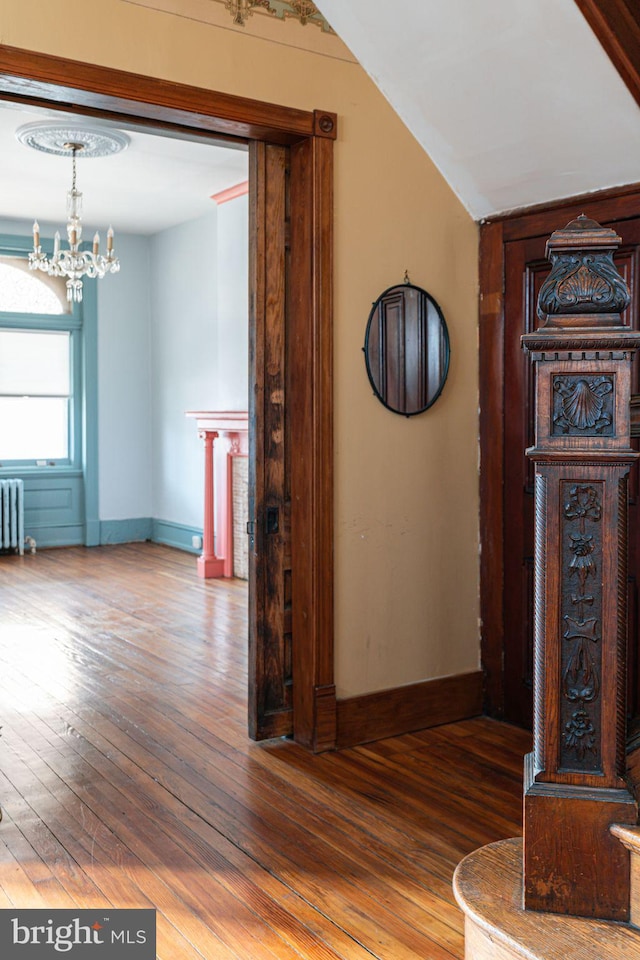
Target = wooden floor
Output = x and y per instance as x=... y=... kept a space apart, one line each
x=127 y=779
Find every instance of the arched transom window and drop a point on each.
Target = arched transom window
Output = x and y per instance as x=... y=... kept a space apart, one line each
x=26 y=291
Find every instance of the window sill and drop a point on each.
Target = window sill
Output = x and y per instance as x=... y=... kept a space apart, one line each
x=64 y=470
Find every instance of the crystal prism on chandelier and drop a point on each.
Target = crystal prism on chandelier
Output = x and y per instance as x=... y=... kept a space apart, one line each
x=74 y=263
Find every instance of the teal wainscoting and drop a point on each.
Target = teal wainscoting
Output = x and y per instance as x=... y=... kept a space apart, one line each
x=54 y=509
x=175 y=535
x=125 y=531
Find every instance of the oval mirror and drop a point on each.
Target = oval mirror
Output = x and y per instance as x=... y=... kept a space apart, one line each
x=406 y=349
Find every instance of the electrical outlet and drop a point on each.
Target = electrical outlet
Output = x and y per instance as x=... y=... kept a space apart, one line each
x=196 y=542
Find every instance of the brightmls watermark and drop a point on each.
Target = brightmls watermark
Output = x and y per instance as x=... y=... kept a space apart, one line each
x=102 y=934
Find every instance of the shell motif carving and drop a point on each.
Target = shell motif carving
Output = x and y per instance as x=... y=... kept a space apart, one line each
x=582 y=403
x=583 y=284
x=583 y=287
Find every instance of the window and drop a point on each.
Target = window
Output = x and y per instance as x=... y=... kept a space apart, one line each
x=38 y=345
x=22 y=291
x=35 y=394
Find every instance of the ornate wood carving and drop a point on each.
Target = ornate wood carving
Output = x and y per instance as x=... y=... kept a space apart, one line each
x=582 y=457
x=582 y=618
x=583 y=279
x=583 y=405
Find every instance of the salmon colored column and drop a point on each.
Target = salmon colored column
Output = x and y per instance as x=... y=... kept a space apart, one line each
x=208 y=564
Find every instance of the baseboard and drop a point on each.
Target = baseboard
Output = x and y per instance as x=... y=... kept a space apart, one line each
x=56 y=535
x=125 y=531
x=175 y=535
x=92 y=533
x=415 y=706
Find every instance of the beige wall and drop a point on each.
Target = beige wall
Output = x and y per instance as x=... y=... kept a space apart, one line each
x=406 y=490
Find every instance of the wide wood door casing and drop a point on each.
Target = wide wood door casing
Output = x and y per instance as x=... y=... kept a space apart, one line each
x=525 y=269
x=270 y=666
x=290 y=398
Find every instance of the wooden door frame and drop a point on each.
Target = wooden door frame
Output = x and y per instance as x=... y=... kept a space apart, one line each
x=48 y=82
x=539 y=221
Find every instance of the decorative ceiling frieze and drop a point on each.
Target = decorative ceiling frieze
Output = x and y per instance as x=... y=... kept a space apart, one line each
x=302 y=10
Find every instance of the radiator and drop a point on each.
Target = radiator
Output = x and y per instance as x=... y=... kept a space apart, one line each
x=12 y=515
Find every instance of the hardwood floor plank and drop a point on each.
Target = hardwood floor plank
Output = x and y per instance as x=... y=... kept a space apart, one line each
x=111 y=866
x=127 y=778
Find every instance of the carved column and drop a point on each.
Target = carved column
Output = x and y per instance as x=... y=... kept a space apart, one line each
x=574 y=779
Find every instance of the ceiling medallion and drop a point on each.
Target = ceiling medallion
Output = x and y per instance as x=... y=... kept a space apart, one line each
x=55 y=138
x=302 y=10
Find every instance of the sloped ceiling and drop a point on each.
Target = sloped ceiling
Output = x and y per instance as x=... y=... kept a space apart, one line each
x=515 y=101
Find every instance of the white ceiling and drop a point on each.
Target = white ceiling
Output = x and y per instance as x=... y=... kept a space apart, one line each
x=157 y=182
x=515 y=101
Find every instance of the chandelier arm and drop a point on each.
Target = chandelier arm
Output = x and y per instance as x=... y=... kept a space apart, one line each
x=75 y=264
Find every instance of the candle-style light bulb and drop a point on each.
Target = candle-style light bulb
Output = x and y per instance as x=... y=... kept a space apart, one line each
x=96 y=243
x=56 y=243
x=109 y=239
x=36 y=234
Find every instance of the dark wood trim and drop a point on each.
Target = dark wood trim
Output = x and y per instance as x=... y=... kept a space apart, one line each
x=511 y=219
x=491 y=359
x=613 y=204
x=86 y=88
x=312 y=367
x=41 y=80
x=616 y=24
x=415 y=706
x=604 y=207
x=270 y=709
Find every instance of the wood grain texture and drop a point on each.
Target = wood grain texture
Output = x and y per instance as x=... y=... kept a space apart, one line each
x=581 y=452
x=488 y=887
x=415 y=706
x=270 y=671
x=604 y=206
x=629 y=837
x=96 y=90
x=311 y=356
x=127 y=778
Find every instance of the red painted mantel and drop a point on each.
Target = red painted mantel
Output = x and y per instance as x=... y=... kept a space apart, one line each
x=233 y=427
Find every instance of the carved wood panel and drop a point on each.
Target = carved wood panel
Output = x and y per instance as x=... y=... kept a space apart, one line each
x=526 y=270
x=581 y=622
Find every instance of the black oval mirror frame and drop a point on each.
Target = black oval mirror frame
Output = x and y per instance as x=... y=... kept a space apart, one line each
x=407 y=349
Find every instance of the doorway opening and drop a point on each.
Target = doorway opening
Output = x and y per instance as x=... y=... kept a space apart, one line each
x=291 y=164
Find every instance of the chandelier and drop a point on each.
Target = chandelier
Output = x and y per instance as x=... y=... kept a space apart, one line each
x=73 y=263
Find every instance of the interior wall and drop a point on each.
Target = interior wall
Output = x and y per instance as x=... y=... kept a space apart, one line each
x=406 y=520
x=184 y=362
x=232 y=381
x=124 y=384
